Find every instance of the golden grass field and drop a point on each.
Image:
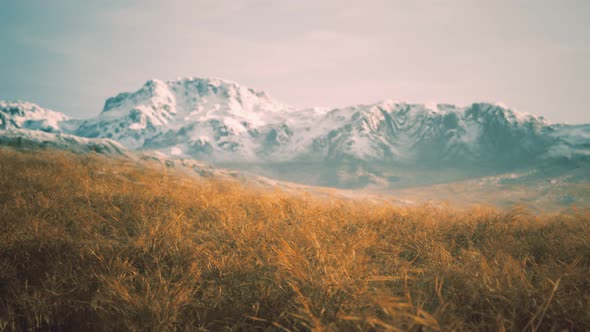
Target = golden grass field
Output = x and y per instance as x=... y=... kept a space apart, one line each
x=88 y=243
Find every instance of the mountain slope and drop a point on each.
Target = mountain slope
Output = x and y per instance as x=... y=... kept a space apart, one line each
x=36 y=139
x=26 y=115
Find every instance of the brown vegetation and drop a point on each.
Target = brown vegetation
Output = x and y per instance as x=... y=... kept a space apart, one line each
x=88 y=243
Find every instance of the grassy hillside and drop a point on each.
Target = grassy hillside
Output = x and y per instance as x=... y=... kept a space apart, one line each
x=88 y=243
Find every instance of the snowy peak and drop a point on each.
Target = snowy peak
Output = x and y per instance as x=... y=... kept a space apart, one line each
x=400 y=132
x=225 y=89
x=224 y=97
x=159 y=107
x=153 y=91
x=195 y=94
x=26 y=115
x=501 y=113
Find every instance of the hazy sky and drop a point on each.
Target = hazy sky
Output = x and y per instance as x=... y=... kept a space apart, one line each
x=534 y=55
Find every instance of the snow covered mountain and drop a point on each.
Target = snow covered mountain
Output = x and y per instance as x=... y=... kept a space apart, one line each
x=222 y=121
x=230 y=125
x=25 y=115
x=36 y=139
x=188 y=116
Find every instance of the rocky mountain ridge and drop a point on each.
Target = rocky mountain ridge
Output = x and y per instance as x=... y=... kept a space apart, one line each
x=225 y=123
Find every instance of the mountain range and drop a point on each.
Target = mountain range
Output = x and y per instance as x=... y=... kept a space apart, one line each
x=388 y=144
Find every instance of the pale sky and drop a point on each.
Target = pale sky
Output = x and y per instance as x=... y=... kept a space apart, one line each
x=533 y=55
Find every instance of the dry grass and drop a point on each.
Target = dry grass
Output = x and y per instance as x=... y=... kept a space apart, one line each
x=88 y=243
